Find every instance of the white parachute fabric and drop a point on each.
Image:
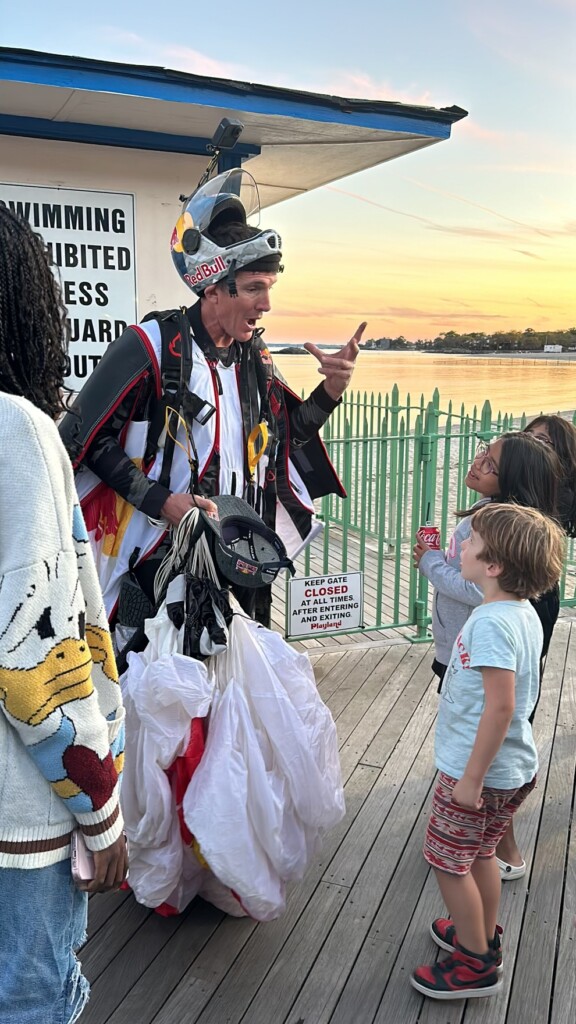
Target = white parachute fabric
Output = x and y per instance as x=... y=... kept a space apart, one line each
x=162 y=696
x=268 y=786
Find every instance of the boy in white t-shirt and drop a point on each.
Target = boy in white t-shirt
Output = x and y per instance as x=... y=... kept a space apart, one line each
x=485 y=750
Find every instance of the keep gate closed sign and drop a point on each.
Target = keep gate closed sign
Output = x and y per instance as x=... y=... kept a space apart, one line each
x=325 y=604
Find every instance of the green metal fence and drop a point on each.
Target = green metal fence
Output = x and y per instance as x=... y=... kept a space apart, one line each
x=402 y=463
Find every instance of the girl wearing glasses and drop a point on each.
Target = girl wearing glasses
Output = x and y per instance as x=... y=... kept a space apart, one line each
x=519 y=468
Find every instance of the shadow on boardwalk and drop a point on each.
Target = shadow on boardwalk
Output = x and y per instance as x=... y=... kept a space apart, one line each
x=358 y=923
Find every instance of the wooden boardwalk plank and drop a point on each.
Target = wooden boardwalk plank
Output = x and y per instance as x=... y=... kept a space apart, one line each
x=361 y=839
x=378 y=667
x=323 y=663
x=362 y=993
x=564 y=993
x=268 y=943
x=401 y=1003
x=383 y=724
x=395 y=817
x=342 y=663
x=100 y=951
x=281 y=986
x=159 y=978
x=350 y=689
x=102 y=907
x=123 y=972
x=206 y=972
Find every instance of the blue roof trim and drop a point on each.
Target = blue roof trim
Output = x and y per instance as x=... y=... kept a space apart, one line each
x=165 y=85
x=103 y=135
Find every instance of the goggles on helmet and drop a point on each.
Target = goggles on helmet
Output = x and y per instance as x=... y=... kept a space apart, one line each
x=200 y=261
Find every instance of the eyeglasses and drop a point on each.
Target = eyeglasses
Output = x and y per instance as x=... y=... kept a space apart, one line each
x=542 y=437
x=484 y=460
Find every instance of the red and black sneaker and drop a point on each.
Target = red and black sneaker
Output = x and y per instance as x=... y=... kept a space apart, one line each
x=443 y=931
x=462 y=975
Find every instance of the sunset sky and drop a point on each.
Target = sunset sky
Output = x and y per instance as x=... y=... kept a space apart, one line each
x=476 y=233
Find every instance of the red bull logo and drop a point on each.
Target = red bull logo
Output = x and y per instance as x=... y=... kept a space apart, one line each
x=246 y=568
x=206 y=271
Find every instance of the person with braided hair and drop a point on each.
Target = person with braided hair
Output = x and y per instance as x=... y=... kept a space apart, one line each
x=33 y=356
x=61 y=713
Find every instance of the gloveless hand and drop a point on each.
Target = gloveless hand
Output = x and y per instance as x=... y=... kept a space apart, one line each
x=418 y=550
x=177 y=505
x=337 y=367
x=467 y=793
x=110 y=867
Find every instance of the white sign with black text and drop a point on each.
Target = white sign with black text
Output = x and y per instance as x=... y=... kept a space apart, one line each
x=90 y=236
x=325 y=604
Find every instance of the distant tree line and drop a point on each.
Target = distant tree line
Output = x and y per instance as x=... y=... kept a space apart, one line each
x=478 y=341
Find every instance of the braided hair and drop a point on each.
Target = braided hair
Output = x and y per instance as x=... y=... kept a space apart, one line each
x=33 y=328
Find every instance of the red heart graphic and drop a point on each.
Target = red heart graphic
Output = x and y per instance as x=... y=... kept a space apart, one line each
x=94 y=777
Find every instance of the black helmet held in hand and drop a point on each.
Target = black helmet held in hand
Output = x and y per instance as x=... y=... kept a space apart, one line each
x=247 y=552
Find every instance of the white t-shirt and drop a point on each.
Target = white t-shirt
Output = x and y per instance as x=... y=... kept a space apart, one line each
x=505 y=635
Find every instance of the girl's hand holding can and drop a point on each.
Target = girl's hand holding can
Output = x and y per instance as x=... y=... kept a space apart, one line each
x=418 y=550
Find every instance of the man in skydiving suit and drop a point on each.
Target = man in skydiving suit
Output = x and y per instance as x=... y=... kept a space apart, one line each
x=241 y=430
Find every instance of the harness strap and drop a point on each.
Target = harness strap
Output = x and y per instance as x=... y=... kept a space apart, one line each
x=175 y=373
x=175 y=370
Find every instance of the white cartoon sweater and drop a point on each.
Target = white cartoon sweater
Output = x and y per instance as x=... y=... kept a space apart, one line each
x=61 y=714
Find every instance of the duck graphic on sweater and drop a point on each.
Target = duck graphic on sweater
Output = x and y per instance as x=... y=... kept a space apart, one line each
x=49 y=655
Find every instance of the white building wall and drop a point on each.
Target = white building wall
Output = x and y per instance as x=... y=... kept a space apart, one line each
x=155 y=179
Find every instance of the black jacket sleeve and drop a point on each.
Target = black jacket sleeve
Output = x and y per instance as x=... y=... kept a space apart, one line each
x=309 y=416
x=108 y=460
x=121 y=389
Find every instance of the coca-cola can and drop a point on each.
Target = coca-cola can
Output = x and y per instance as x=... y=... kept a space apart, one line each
x=430 y=535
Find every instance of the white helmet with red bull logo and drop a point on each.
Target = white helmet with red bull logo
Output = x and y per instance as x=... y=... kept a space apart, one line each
x=198 y=251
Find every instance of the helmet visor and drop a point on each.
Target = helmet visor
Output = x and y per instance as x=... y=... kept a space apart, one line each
x=235 y=187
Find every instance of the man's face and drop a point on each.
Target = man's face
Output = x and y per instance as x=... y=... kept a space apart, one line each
x=238 y=315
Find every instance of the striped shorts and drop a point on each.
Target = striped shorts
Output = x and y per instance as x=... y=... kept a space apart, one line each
x=456 y=836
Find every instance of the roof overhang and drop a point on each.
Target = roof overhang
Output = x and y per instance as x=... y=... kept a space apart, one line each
x=292 y=141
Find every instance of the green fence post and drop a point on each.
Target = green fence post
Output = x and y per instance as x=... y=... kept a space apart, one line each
x=399 y=524
x=433 y=417
x=328 y=501
x=405 y=532
x=428 y=459
x=445 y=495
x=465 y=456
x=426 y=507
x=382 y=469
x=380 y=419
x=418 y=585
x=347 y=480
x=486 y=421
x=326 y=536
x=365 y=493
x=393 y=477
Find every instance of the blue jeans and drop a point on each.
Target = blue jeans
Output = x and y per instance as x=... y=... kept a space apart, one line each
x=42 y=922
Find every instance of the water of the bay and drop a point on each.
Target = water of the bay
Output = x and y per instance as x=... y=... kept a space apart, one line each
x=512 y=385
